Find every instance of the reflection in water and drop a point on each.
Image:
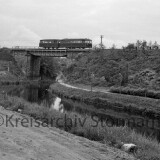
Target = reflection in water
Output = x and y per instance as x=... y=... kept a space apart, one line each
x=57 y=105
x=35 y=94
x=143 y=125
x=39 y=94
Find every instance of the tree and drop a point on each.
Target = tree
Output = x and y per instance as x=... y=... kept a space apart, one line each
x=144 y=44
x=99 y=47
x=130 y=46
x=113 y=46
x=138 y=44
x=49 y=67
x=155 y=45
x=111 y=72
x=124 y=72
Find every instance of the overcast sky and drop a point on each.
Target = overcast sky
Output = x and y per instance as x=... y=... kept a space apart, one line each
x=25 y=22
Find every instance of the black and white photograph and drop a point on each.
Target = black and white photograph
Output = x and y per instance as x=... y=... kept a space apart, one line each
x=79 y=79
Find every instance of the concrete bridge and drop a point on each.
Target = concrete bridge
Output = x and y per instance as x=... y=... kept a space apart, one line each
x=34 y=55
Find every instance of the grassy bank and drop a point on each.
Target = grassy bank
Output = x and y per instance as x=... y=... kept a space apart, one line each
x=136 y=92
x=148 y=149
x=126 y=103
x=13 y=82
x=23 y=82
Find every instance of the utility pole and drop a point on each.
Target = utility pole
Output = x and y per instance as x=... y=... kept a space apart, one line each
x=8 y=66
x=101 y=40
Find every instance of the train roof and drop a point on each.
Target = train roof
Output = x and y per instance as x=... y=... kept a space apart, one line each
x=76 y=39
x=49 y=39
x=73 y=39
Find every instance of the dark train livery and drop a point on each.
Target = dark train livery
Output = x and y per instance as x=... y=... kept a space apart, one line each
x=65 y=43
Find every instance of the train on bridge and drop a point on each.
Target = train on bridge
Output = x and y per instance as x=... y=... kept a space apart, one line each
x=82 y=43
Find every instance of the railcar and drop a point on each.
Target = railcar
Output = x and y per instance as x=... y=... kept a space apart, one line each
x=49 y=43
x=76 y=43
x=65 y=43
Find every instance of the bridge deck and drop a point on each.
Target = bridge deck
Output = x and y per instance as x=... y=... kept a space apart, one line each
x=48 y=52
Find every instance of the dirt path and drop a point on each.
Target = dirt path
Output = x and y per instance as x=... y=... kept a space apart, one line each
x=94 y=89
x=41 y=143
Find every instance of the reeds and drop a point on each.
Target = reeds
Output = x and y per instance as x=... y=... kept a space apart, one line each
x=148 y=149
x=137 y=92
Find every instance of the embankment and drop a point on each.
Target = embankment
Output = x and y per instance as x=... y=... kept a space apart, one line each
x=125 y=103
x=21 y=142
x=86 y=127
x=136 y=92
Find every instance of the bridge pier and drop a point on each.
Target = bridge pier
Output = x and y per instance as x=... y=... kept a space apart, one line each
x=33 y=69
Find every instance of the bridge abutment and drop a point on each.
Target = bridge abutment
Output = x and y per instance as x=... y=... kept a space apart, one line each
x=33 y=69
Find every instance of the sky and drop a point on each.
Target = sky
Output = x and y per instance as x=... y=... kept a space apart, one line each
x=25 y=22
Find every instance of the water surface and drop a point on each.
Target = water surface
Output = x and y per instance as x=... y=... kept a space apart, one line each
x=39 y=94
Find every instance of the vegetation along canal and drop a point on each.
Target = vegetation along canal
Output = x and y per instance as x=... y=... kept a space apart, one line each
x=39 y=94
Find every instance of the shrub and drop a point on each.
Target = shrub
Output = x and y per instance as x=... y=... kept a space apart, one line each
x=147 y=148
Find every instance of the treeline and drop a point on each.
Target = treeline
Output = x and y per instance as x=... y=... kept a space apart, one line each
x=142 y=45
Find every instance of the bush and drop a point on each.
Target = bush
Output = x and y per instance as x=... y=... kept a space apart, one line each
x=147 y=148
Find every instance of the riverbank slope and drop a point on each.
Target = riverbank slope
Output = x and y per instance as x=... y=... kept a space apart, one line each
x=41 y=143
x=133 y=104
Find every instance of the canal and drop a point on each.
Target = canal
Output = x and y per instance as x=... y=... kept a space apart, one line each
x=40 y=94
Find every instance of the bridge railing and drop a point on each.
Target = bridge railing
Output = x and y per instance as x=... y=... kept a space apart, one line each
x=26 y=47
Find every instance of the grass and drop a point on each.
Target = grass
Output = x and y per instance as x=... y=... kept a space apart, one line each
x=132 y=104
x=148 y=149
x=16 y=82
x=99 y=62
x=136 y=92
